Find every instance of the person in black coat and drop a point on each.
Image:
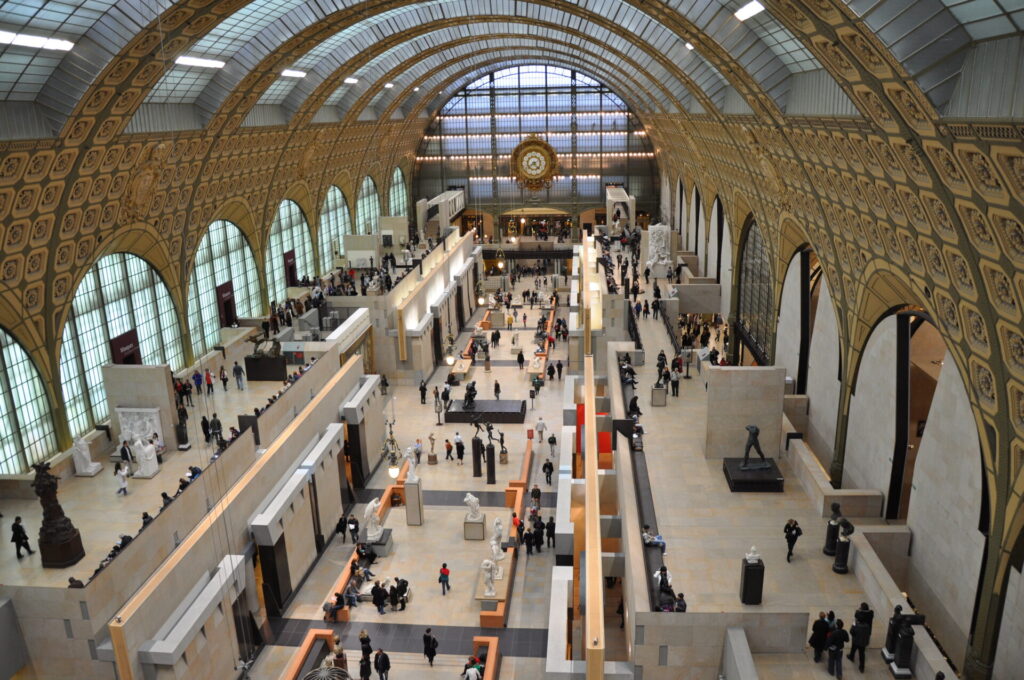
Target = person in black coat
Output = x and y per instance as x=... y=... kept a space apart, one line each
x=860 y=636
x=379 y=596
x=791 y=531
x=19 y=537
x=538 y=536
x=381 y=664
x=864 y=615
x=365 y=668
x=549 y=531
x=837 y=639
x=819 y=635
x=429 y=646
x=423 y=392
x=548 y=470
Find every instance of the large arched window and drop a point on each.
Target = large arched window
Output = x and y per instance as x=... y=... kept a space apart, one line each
x=26 y=424
x=398 y=198
x=757 y=309
x=368 y=208
x=335 y=223
x=223 y=257
x=289 y=246
x=119 y=293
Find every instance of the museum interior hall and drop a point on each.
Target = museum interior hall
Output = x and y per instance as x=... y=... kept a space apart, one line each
x=511 y=339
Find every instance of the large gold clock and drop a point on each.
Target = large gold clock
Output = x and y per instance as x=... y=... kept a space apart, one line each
x=534 y=163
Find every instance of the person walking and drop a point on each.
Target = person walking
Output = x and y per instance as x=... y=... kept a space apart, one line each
x=837 y=639
x=860 y=636
x=791 y=531
x=423 y=392
x=520 y=359
x=553 y=443
x=647 y=274
x=540 y=427
x=535 y=496
x=497 y=390
x=549 y=531
x=208 y=378
x=527 y=540
x=655 y=309
x=446 y=396
x=205 y=425
x=460 y=448
x=19 y=537
x=381 y=664
x=429 y=647
x=223 y=374
x=448 y=450
x=127 y=456
x=558 y=367
x=548 y=468
x=673 y=378
x=122 y=479
x=819 y=635
x=353 y=528
x=239 y=374
x=215 y=428
x=551 y=372
x=646 y=309
x=538 y=536
x=444 y=577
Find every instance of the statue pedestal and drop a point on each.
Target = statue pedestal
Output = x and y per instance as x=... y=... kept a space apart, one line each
x=382 y=546
x=86 y=466
x=841 y=563
x=473 y=529
x=659 y=395
x=768 y=479
x=431 y=459
x=413 y=504
x=751 y=582
x=66 y=552
x=142 y=473
x=503 y=457
x=831 y=538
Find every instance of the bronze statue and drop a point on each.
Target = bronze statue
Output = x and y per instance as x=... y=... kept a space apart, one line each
x=470 y=401
x=60 y=544
x=752 y=442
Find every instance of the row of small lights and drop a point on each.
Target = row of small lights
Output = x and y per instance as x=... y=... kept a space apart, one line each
x=555 y=178
x=477 y=116
x=633 y=154
x=515 y=135
x=39 y=42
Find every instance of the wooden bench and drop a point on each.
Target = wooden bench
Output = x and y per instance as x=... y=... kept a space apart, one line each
x=296 y=668
x=488 y=646
x=339 y=586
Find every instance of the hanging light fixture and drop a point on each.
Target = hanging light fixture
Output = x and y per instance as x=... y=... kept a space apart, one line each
x=500 y=255
x=449 y=351
x=480 y=298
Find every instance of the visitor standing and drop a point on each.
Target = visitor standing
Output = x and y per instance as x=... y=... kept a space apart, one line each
x=819 y=635
x=520 y=359
x=215 y=428
x=429 y=646
x=381 y=664
x=122 y=479
x=497 y=390
x=353 y=528
x=837 y=639
x=558 y=367
x=444 y=577
x=448 y=450
x=460 y=447
x=127 y=456
x=791 y=531
x=365 y=668
x=224 y=378
x=208 y=378
x=239 y=374
x=205 y=425
x=19 y=537
x=423 y=392
x=674 y=381
x=549 y=530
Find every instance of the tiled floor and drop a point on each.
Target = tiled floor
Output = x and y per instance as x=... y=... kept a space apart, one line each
x=101 y=515
x=420 y=550
x=708 y=529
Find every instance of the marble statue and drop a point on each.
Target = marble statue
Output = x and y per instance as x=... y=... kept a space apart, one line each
x=473 y=503
x=535 y=363
x=489 y=569
x=499 y=531
x=752 y=442
x=148 y=464
x=85 y=466
x=515 y=339
x=371 y=521
x=374 y=284
x=753 y=556
x=410 y=476
x=491 y=301
x=497 y=553
x=658 y=236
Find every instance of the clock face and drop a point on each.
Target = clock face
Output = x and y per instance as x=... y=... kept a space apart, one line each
x=533 y=163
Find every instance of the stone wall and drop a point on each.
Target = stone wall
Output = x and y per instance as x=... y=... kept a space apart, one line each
x=823 y=379
x=741 y=396
x=871 y=431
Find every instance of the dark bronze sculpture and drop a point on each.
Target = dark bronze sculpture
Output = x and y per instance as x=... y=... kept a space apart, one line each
x=470 y=401
x=752 y=441
x=60 y=544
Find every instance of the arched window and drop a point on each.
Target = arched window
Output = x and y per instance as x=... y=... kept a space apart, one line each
x=757 y=315
x=119 y=293
x=223 y=257
x=288 y=235
x=368 y=208
x=335 y=223
x=26 y=424
x=398 y=200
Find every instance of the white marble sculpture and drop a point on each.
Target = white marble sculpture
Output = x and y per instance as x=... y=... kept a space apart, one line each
x=149 y=466
x=85 y=466
x=497 y=554
x=139 y=423
x=489 y=569
x=411 y=477
x=535 y=363
x=491 y=302
x=515 y=339
x=499 y=531
x=753 y=556
x=374 y=284
x=658 y=236
x=473 y=503
x=374 y=529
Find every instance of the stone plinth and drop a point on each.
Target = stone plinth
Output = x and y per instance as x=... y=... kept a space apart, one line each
x=473 y=529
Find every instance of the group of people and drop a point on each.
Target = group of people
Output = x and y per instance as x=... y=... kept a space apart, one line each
x=828 y=634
